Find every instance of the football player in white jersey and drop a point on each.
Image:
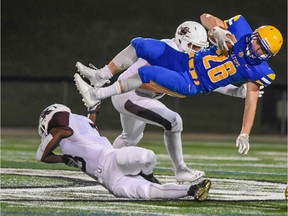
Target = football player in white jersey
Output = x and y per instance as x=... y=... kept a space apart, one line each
x=141 y=106
x=126 y=172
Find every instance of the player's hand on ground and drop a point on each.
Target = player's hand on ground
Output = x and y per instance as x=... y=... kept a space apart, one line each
x=242 y=143
x=221 y=36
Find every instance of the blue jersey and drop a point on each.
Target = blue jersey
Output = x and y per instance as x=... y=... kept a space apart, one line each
x=216 y=68
x=204 y=71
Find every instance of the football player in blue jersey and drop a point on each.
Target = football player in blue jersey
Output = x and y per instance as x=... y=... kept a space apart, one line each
x=239 y=55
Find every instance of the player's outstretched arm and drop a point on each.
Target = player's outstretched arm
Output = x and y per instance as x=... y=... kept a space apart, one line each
x=217 y=32
x=248 y=118
x=209 y=21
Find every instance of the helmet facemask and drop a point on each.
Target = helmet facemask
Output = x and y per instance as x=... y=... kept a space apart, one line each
x=185 y=45
x=253 y=56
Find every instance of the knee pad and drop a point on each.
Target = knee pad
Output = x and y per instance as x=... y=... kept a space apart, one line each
x=177 y=124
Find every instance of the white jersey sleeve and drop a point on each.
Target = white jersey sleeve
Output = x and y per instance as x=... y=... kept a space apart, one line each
x=85 y=144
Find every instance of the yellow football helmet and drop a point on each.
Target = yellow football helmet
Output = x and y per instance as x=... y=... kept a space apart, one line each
x=270 y=40
x=270 y=37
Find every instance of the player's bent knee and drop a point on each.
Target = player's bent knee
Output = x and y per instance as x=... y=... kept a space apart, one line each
x=151 y=157
x=148 y=48
x=177 y=124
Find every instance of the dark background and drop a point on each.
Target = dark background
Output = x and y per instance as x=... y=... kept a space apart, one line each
x=42 y=40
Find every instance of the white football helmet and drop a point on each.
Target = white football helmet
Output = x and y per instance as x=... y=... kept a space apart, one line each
x=46 y=116
x=190 y=34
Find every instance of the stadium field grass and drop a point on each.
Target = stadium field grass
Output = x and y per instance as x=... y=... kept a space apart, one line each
x=241 y=185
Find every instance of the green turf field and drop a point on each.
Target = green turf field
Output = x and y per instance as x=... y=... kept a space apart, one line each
x=241 y=185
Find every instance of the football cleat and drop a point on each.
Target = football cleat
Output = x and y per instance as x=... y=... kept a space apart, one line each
x=200 y=191
x=185 y=174
x=94 y=75
x=86 y=91
x=205 y=183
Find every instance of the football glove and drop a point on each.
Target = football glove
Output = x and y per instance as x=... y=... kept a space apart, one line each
x=242 y=142
x=261 y=92
x=220 y=37
x=70 y=161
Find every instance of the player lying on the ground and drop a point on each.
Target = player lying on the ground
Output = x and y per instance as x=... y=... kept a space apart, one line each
x=182 y=74
x=141 y=106
x=125 y=172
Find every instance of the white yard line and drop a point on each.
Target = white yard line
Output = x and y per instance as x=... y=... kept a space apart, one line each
x=222 y=189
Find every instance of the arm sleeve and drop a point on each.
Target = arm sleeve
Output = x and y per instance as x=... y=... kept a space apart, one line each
x=238 y=26
x=59 y=120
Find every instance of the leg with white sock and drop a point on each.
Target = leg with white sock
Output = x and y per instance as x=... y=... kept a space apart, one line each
x=199 y=191
x=137 y=187
x=91 y=96
x=168 y=191
x=173 y=144
x=118 y=87
x=98 y=77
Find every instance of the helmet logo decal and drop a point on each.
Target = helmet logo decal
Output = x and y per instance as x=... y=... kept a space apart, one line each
x=183 y=31
x=45 y=113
